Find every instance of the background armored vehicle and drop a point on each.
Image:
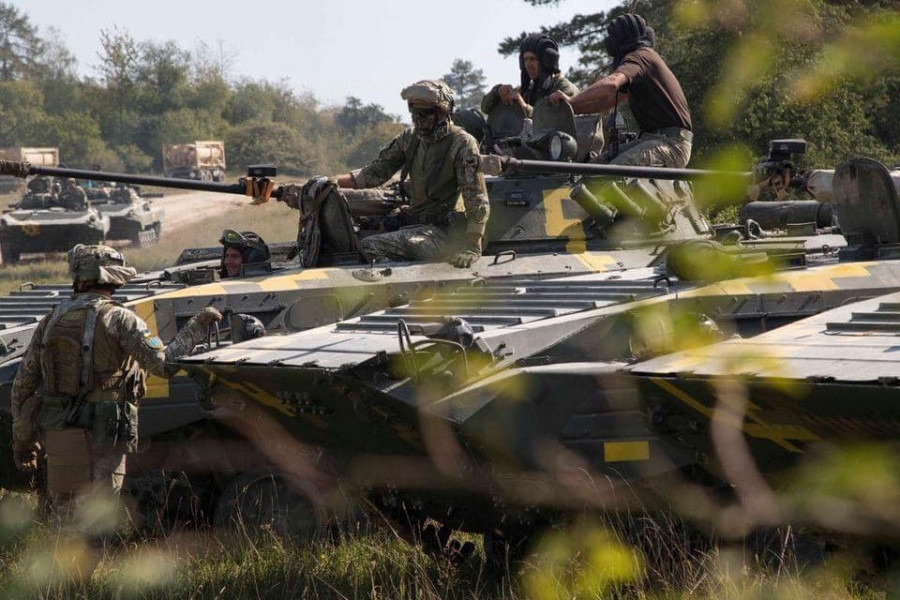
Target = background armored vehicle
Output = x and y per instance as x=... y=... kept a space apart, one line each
x=45 y=157
x=201 y=160
x=38 y=224
x=131 y=217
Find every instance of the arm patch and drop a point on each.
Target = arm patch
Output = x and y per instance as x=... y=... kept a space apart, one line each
x=151 y=340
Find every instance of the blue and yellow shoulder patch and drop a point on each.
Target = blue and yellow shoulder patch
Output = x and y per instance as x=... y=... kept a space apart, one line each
x=151 y=340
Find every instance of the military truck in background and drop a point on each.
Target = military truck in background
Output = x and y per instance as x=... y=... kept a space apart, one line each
x=201 y=160
x=43 y=157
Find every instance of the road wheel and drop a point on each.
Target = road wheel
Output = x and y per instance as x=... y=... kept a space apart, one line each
x=265 y=502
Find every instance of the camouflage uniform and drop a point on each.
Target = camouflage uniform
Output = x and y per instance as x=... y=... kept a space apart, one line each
x=654 y=150
x=440 y=170
x=106 y=367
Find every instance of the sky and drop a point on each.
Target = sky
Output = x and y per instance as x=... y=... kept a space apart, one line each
x=332 y=48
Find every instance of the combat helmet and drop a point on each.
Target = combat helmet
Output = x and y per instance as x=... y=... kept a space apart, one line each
x=430 y=92
x=252 y=247
x=100 y=264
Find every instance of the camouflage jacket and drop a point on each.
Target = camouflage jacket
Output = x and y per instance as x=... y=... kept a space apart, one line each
x=556 y=83
x=440 y=171
x=125 y=337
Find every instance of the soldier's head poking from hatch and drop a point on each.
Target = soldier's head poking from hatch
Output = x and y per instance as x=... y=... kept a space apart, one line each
x=98 y=268
x=241 y=248
x=538 y=59
x=430 y=104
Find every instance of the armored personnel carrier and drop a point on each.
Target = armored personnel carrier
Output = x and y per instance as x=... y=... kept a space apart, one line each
x=38 y=224
x=131 y=217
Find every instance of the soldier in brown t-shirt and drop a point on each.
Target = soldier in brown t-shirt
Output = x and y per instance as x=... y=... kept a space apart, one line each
x=657 y=101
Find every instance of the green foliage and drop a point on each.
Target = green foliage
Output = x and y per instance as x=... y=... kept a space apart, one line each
x=467 y=83
x=276 y=143
x=754 y=70
x=147 y=94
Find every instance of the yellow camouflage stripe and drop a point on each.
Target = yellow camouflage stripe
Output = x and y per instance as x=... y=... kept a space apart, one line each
x=754 y=426
x=811 y=280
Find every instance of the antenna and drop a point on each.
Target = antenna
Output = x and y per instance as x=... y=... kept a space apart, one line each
x=634 y=4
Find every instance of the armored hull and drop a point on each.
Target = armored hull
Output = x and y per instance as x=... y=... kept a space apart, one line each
x=49 y=230
x=131 y=217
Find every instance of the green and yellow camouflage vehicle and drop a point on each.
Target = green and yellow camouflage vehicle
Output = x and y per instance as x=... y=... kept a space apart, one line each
x=496 y=404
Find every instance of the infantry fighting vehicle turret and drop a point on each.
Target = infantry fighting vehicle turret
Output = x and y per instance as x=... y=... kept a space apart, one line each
x=38 y=223
x=131 y=216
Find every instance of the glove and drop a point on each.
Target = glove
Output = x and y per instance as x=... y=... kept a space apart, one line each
x=469 y=254
x=25 y=457
x=208 y=316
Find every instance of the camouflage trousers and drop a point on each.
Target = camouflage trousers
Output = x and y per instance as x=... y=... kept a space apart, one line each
x=75 y=465
x=413 y=242
x=654 y=150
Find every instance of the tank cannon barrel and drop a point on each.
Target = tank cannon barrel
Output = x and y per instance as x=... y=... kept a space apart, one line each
x=24 y=169
x=515 y=165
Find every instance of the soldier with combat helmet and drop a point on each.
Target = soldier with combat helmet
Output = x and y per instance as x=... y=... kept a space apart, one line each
x=83 y=373
x=442 y=163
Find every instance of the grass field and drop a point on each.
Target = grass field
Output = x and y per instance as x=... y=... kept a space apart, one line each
x=51 y=560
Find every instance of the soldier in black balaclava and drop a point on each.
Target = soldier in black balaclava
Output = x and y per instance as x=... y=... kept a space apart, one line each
x=539 y=77
x=654 y=95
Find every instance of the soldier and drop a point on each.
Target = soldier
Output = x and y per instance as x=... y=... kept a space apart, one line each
x=442 y=162
x=84 y=371
x=239 y=249
x=654 y=95
x=540 y=77
x=73 y=197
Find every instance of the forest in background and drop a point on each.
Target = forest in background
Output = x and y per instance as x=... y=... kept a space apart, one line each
x=825 y=70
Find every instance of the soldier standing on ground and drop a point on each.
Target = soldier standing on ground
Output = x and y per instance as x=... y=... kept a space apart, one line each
x=540 y=77
x=77 y=389
x=442 y=163
x=656 y=99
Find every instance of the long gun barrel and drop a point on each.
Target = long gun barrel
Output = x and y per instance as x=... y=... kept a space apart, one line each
x=515 y=165
x=24 y=169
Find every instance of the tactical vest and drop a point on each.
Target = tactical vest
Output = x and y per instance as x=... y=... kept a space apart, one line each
x=86 y=376
x=434 y=188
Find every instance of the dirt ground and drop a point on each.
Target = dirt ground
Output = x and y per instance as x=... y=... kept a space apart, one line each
x=189 y=208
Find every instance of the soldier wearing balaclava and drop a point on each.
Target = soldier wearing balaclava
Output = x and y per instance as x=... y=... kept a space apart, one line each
x=652 y=91
x=539 y=77
x=442 y=163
